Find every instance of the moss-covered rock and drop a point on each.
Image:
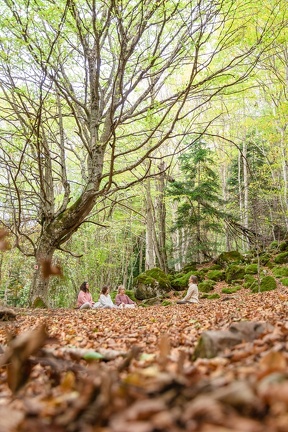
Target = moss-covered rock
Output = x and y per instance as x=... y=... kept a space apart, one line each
x=279 y=272
x=229 y=257
x=188 y=268
x=151 y=283
x=251 y=269
x=267 y=283
x=273 y=245
x=216 y=275
x=264 y=259
x=234 y=272
x=231 y=290
x=284 y=281
x=283 y=247
x=215 y=267
x=250 y=282
x=180 y=282
x=281 y=258
x=39 y=304
x=213 y=296
x=206 y=286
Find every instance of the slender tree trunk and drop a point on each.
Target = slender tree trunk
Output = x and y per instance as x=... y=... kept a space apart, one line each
x=150 y=259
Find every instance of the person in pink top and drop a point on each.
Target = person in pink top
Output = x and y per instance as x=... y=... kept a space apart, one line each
x=122 y=300
x=84 y=300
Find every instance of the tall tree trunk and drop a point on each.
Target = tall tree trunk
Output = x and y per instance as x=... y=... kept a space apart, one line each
x=150 y=259
x=39 y=293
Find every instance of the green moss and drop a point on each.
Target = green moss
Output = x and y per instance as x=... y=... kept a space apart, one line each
x=279 y=272
x=216 y=275
x=188 y=268
x=153 y=277
x=215 y=267
x=251 y=269
x=281 y=258
x=284 y=281
x=206 y=286
x=39 y=304
x=213 y=296
x=250 y=282
x=230 y=290
x=229 y=257
x=283 y=247
x=234 y=272
x=273 y=245
x=267 y=283
x=166 y=303
x=180 y=283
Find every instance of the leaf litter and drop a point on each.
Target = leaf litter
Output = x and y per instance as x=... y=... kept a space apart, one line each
x=133 y=370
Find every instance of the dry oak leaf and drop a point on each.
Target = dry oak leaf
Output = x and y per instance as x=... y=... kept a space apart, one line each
x=4 y=244
x=48 y=269
x=17 y=354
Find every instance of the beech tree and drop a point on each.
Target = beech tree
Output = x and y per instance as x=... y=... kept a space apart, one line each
x=76 y=117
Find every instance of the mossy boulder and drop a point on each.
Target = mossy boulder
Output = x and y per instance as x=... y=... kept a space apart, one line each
x=215 y=267
x=250 y=282
x=180 y=282
x=279 y=272
x=273 y=245
x=39 y=304
x=213 y=296
x=229 y=257
x=284 y=281
x=231 y=290
x=234 y=272
x=251 y=269
x=151 y=283
x=188 y=268
x=267 y=283
x=283 y=247
x=264 y=259
x=216 y=275
x=281 y=258
x=206 y=286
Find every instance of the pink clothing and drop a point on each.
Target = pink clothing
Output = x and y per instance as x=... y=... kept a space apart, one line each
x=84 y=297
x=123 y=299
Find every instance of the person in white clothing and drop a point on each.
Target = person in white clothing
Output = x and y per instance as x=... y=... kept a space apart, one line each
x=192 y=293
x=105 y=301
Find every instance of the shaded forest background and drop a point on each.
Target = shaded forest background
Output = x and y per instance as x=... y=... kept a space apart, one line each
x=137 y=135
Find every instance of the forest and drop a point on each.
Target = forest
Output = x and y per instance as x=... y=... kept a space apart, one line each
x=144 y=143
x=137 y=135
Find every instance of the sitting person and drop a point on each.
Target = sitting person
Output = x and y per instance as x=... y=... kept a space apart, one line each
x=192 y=293
x=122 y=300
x=84 y=300
x=105 y=300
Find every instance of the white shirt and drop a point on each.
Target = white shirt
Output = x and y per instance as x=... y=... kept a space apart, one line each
x=192 y=294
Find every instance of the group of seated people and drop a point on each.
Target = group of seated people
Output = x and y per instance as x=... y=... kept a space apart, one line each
x=85 y=301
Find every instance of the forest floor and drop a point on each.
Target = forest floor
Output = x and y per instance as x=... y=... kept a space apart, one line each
x=133 y=370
